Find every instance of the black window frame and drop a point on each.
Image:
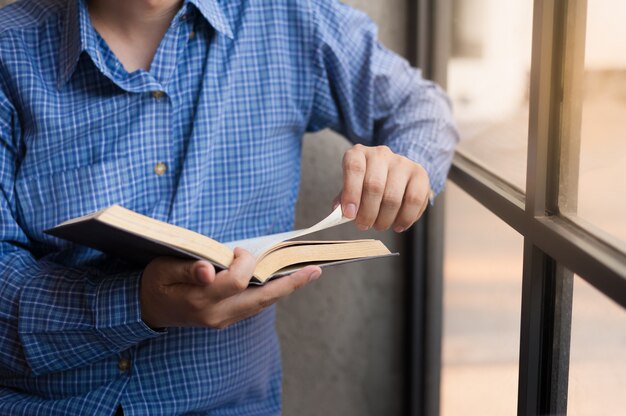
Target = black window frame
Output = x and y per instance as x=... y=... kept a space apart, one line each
x=557 y=244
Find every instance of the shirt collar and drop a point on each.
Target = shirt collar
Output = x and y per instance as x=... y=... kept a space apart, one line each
x=74 y=32
x=214 y=14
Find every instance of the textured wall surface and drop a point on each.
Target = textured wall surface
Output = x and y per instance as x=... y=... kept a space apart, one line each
x=342 y=337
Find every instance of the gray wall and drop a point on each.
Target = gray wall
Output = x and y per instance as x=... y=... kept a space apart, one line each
x=342 y=337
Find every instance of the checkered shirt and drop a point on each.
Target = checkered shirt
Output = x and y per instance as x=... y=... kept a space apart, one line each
x=208 y=139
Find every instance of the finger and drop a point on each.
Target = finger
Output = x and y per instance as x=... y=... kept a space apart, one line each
x=236 y=278
x=252 y=301
x=337 y=201
x=354 y=165
x=424 y=181
x=424 y=206
x=178 y=271
x=204 y=272
x=415 y=199
x=391 y=202
x=373 y=189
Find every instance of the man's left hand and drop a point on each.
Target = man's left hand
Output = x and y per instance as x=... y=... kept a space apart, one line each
x=382 y=189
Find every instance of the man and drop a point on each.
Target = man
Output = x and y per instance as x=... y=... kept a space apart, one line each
x=191 y=112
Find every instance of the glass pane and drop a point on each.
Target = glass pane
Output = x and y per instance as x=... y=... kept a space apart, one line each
x=488 y=81
x=602 y=184
x=597 y=375
x=482 y=301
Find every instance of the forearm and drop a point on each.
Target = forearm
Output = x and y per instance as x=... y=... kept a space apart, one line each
x=58 y=318
x=373 y=96
x=421 y=128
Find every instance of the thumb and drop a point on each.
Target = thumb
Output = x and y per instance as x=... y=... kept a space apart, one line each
x=198 y=273
x=204 y=272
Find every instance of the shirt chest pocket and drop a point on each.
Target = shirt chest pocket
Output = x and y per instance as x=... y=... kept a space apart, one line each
x=46 y=200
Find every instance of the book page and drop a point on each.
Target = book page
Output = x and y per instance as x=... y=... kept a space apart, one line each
x=259 y=245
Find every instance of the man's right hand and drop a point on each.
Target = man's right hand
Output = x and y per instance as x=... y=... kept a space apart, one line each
x=176 y=293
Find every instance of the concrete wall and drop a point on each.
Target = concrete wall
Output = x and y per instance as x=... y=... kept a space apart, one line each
x=342 y=336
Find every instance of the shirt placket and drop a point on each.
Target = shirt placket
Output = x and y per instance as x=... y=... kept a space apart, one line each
x=163 y=103
x=157 y=155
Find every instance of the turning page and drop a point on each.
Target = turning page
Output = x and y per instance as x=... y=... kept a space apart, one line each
x=259 y=245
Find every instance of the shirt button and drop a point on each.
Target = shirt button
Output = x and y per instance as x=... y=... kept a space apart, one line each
x=160 y=168
x=192 y=35
x=123 y=364
x=158 y=94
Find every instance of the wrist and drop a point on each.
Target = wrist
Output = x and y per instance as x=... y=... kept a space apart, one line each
x=145 y=309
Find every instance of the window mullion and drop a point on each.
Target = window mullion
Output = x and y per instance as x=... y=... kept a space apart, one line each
x=562 y=330
x=573 y=69
x=542 y=330
x=429 y=51
x=542 y=109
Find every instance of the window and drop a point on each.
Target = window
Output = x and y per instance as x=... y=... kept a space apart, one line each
x=602 y=134
x=550 y=162
x=488 y=81
x=482 y=300
x=597 y=380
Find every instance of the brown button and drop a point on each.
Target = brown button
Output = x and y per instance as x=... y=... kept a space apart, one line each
x=160 y=168
x=123 y=364
x=192 y=35
x=158 y=94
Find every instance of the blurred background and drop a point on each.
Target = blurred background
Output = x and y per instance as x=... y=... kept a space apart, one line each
x=488 y=81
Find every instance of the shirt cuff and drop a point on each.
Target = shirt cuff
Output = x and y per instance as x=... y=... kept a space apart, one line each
x=118 y=312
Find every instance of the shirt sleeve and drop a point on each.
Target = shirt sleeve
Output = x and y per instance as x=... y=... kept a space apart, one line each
x=373 y=96
x=54 y=318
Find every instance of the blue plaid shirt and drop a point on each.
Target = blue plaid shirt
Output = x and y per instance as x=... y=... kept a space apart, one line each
x=208 y=139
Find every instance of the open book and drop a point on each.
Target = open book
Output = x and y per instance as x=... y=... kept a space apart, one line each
x=138 y=238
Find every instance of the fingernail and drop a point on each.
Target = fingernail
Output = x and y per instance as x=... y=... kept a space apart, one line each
x=398 y=229
x=315 y=275
x=350 y=211
x=363 y=227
